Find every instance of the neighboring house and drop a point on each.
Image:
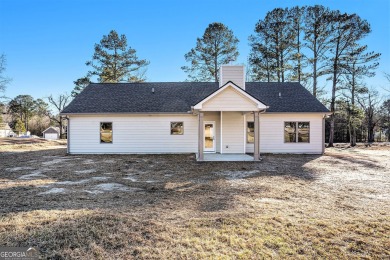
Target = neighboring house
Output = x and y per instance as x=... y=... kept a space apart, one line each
x=51 y=133
x=229 y=117
x=5 y=130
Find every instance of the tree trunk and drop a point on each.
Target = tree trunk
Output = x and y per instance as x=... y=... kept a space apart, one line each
x=60 y=124
x=315 y=54
x=299 y=55
x=282 y=65
x=216 y=69
x=331 y=132
x=370 y=126
x=315 y=72
x=353 y=136
x=332 y=105
x=333 y=100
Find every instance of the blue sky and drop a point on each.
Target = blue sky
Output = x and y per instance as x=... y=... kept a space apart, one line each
x=48 y=42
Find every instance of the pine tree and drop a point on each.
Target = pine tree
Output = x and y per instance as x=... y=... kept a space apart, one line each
x=273 y=41
x=217 y=46
x=317 y=36
x=19 y=126
x=114 y=62
x=346 y=30
x=80 y=85
x=355 y=66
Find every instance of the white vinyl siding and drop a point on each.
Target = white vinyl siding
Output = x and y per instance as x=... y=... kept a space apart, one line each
x=233 y=135
x=272 y=133
x=235 y=74
x=229 y=99
x=134 y=134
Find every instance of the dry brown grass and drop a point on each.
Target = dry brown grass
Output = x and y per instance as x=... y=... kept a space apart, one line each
x=334 y=206
x=13 y=144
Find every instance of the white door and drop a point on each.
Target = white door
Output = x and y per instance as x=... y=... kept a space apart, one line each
x=209 y=136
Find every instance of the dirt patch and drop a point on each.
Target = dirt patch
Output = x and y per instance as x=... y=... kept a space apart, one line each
x=53 y=191
x=111 y=187
x=85 y=171
x=170 y=206
x=236 y=175
x=33 y=175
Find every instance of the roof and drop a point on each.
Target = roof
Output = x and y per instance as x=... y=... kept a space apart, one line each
x=52 y=130
x=179 y=97
x=237 y=88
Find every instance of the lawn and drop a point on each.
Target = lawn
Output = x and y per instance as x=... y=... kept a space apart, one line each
x=170 y=206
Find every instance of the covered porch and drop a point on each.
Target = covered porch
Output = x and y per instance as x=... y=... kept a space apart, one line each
x=222 y=125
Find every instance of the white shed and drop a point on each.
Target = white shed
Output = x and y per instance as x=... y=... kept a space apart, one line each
x=5 y=130
x=51 y=133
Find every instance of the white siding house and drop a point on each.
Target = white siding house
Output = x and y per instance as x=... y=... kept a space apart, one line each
x=132 y=134
x=201 y=118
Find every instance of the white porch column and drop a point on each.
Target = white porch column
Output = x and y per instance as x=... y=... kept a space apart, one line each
x=256 y=154
x=200 y=136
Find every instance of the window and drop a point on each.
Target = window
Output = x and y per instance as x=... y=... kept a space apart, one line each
x=177 y=128
x=296 y=132
x=106 y=132
x=290 y=132
x=250 y=132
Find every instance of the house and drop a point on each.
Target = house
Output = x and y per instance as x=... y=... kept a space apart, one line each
x=5 y=130
x=229 y=117
x=51 y=133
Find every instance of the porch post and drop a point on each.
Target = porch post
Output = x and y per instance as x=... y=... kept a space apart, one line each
x=256 y=154
x=200 y=137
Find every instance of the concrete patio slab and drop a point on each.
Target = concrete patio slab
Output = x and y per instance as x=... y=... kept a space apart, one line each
x=232 y=157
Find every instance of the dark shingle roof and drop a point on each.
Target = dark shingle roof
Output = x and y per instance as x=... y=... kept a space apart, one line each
x=294 y=97
x=178 y=97
x=52 y=130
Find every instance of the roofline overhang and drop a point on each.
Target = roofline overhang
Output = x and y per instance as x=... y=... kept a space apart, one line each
x=327 y=113
x=126 y=113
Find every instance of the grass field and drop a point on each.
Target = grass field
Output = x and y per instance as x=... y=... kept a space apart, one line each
x=334 y=206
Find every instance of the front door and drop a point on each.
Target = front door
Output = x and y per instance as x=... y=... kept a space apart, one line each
x=209 y=136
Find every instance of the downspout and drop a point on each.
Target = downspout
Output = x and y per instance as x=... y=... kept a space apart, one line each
x=260 y=112
x=323 y=133
x=68 y=135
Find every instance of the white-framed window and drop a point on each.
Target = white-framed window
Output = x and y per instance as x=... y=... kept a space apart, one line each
x=297 y=132
x=106 y=132
x=250 y=132
x=177 y=128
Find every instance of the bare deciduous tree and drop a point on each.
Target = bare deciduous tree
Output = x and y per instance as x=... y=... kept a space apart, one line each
x=3 y=79
x=59 y=103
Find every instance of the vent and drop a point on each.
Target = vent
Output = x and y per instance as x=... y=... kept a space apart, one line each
x=153 y=90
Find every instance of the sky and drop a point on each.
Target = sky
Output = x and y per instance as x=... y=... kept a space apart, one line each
x=48 y=42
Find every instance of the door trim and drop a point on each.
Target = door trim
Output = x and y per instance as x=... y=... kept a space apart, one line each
x=208 y=150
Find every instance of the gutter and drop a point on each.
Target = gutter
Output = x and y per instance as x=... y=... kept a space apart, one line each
x=125 y=113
